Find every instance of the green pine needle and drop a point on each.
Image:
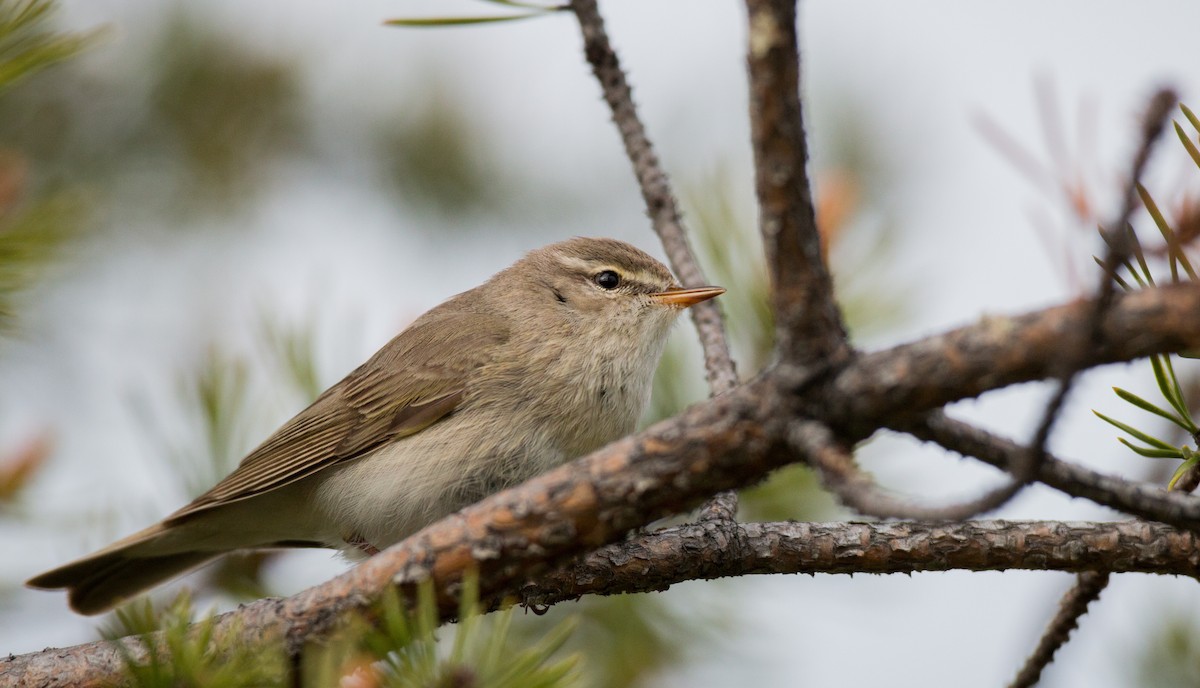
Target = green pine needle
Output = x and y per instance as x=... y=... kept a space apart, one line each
x=1143 y=276
x=1176 y=394
x=1191 y=116
x=1139 y=253
x=293 y=347
x=437 y=22
x=1183 y=469
x=535 y=10
x=1184 y=422
x=1152 y=453
x=27 y=45
x=1164 y=371
x=1188 y=145
x=32 y=233
x=30 y=240
x=1168 y=234
x=1167 y=384
x=1138 y=434
x=1115 y=277
x=529 y=5
x=184 y=652
x=480 y=652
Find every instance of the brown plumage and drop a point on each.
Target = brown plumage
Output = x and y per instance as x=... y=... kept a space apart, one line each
x=548 y=360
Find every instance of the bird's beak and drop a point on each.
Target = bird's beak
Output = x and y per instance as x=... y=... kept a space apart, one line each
x=682 y=298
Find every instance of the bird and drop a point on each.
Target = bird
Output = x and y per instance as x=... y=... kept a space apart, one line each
x=546 y=361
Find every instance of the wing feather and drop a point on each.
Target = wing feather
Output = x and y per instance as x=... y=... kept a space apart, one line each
x=400 y=391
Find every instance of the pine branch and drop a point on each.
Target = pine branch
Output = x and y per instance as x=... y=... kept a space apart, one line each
x=1074 y=604
x=809 y=327
x=705 y=551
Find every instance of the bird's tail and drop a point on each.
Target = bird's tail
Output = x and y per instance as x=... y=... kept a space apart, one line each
x=100 y=581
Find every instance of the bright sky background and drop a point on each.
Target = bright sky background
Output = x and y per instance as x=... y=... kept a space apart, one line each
x=921 y=72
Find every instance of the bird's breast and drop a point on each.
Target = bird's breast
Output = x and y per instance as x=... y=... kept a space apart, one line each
x=516 y=421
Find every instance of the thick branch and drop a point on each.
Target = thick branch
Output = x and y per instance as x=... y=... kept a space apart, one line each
x=894 y=387
x=712 y=550
x=809 y=325
x=706 y=551
x=996 y=352
x=520 y=532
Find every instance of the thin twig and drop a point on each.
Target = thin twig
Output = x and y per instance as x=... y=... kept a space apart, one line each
x=1120 y=248
x=1074 y=604
x=1121 y=245
x=656 y=191
x=664 y=214
x=1027 y=465
x=809 y=326
x=1144 y=501
x=856 y=490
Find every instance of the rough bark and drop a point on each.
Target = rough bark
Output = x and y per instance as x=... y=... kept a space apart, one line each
x=702 y=551
x=995 y=352
x=708 y=551
x=809 y=327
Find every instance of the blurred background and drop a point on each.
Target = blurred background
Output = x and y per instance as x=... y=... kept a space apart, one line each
x=218 y=211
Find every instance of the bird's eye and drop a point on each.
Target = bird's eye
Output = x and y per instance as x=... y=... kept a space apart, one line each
x=607 y=279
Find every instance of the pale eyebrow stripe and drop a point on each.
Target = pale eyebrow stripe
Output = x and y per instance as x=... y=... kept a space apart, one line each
x=643 y=276
x=576 y=263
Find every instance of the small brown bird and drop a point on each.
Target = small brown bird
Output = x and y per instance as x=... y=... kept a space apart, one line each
x=546 y=361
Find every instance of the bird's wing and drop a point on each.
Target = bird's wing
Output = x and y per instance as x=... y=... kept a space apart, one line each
x=415 y=380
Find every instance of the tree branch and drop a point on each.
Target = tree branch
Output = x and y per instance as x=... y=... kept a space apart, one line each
x=1120 y=247
x=703 y=551
x=518 y=533
x=808 y=323
x=858 y=491
x=710 y=550
x=656 y=191
x=1074 y=604
x=1144 y=501
x=904 y=381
